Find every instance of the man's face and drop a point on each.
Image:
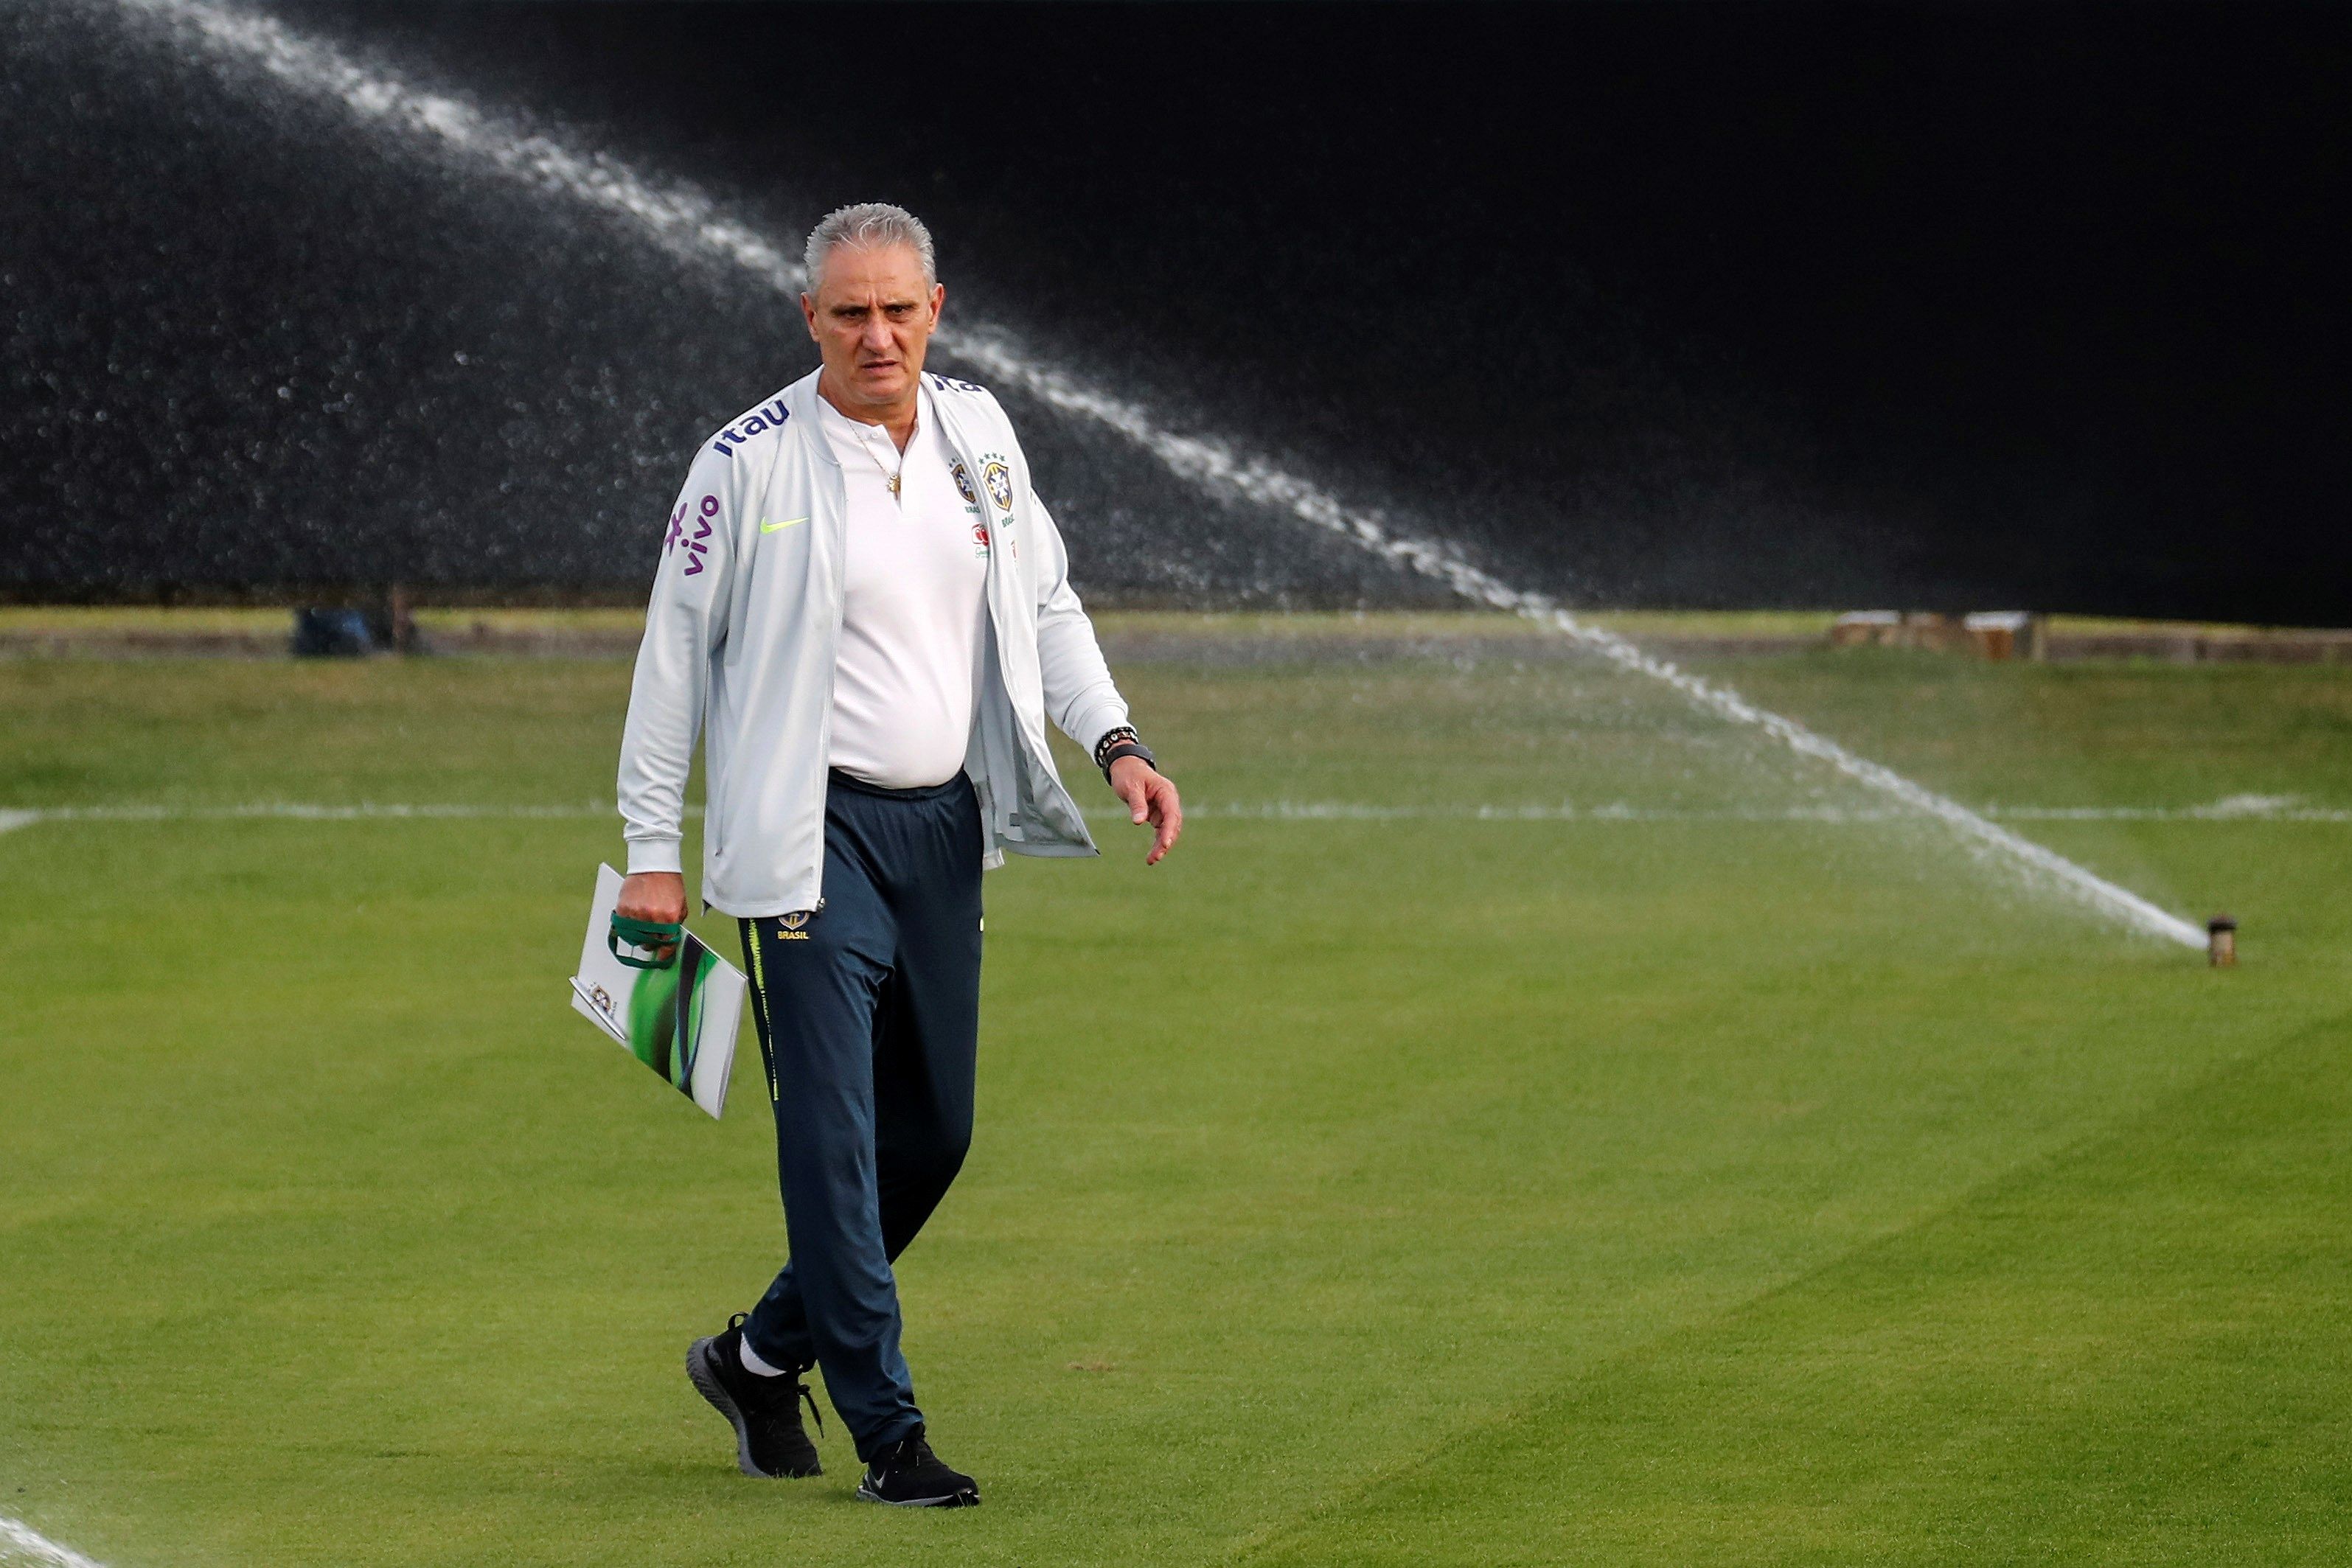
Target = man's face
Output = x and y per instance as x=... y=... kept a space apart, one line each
x=872 y=321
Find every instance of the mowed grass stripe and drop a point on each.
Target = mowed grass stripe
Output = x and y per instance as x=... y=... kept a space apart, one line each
x=2127 y=1351
x=1376 y=1153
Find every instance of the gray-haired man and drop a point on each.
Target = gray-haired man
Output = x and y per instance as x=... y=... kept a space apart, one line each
x=864 y=608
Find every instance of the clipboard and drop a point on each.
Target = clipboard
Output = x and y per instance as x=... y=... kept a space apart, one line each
x=681 y=1021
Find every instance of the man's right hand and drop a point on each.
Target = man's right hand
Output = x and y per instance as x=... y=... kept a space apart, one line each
x=654 y=895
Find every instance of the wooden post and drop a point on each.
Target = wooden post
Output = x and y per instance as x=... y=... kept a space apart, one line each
x=403 y=620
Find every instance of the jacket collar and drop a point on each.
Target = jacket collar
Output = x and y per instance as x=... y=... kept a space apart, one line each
x=800 y=401
x=805 y=407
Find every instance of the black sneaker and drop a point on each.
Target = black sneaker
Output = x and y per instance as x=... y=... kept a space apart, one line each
x=910 y=1475
x=764 y=1411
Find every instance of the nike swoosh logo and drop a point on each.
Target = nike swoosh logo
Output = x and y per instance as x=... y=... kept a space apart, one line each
x=767 y=528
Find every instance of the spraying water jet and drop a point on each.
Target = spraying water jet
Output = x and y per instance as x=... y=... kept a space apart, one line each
x=687 y=222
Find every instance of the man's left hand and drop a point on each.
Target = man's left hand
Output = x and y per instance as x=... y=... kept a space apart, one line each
x=1153 y=797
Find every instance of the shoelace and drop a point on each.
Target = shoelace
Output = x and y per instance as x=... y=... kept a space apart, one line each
x=802 y=1391
x=910 y=1452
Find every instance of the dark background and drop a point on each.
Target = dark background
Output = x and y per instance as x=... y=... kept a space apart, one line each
x=1948 y=307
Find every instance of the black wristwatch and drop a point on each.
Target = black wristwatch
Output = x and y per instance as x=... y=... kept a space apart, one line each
x=1120 y=742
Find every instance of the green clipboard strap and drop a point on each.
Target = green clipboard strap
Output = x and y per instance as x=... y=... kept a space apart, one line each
x=650 y=935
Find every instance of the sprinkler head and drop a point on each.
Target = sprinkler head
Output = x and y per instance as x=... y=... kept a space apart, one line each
x=2221 y=942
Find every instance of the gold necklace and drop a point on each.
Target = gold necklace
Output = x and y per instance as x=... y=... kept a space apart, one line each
x=889 y=478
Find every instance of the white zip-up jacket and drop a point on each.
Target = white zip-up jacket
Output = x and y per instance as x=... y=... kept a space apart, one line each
x=740 y=640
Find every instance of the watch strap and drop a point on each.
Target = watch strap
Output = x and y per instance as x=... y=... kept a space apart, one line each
x=1119 y=748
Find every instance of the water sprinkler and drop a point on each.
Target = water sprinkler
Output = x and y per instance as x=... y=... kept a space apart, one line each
x=2221 y=942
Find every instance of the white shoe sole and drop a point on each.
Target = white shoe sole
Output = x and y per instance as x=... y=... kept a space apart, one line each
x=952 y=1500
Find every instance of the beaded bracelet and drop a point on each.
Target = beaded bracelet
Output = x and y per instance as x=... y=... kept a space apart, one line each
x=1111 y=738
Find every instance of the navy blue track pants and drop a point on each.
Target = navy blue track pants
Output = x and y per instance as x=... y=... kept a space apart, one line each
x=868 y=1012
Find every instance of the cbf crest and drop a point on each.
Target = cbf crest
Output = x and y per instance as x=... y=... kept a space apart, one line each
x=997 y=476
x=964 y=484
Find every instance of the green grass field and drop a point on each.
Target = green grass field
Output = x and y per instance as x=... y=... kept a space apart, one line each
x=1714 y=1185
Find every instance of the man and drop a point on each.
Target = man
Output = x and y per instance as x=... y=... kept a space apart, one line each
x=864 y=608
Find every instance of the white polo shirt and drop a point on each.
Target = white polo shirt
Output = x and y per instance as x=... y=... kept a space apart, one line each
x=906 y=678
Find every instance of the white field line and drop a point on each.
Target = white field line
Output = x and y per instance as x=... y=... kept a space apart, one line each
x=364 y=811
x=20 y=1543
x=1347 y=811
x=2234 y=809
x=687 y=221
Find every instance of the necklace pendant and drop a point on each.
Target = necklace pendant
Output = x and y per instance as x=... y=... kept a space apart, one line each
x=894 y=484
